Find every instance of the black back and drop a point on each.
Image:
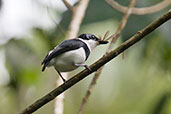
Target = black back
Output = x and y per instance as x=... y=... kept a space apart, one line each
x=67 y=45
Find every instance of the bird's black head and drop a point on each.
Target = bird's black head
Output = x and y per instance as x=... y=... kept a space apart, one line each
x=88 y=37
x=92 y=37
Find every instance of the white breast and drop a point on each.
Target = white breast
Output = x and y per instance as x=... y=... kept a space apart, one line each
x=90 y=43
x=66 y=62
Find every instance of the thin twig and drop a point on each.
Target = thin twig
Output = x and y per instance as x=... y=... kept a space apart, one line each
x=122 y=24
x=106 y=35
x=90 y=88
x=99 y=63
x=68 y=5
x=114 y=38
x=140 y=11
x=59 y=101
x=77 y=15
x=77 y=18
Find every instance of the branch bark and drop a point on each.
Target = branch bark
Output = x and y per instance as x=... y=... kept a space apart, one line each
x=140 y=11
x=94 y=67
x=114 y=39
x=67 y=4
x=122 y=24
x=78 y=13
x=90 y=88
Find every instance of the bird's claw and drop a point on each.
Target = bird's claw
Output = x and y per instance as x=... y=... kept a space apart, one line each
x=87 y=67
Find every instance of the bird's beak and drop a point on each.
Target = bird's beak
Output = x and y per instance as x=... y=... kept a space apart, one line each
x=102 y=42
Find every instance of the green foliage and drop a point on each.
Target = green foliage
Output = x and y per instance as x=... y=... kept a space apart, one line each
x=139 y=84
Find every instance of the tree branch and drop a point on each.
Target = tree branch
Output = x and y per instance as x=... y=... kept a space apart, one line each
x=68 y=5
x=114 y=38
x=90 y=88
x=94 y=67
x=122 y=24
x=78 y=13
x=140 y=11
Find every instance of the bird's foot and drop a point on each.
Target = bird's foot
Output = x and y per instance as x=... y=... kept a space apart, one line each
x=83 y=65
x=87 y=67
x=63 y=79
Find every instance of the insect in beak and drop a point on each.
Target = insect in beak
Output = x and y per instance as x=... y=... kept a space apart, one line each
x=102 y=42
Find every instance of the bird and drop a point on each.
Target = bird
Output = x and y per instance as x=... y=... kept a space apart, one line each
x=71 y=54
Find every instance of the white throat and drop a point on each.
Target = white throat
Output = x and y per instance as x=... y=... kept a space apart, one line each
x=90 y=43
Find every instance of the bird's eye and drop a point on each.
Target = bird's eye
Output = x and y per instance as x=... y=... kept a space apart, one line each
x=94 y=38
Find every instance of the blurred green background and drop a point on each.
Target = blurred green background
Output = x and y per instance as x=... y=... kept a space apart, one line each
x=138 y=84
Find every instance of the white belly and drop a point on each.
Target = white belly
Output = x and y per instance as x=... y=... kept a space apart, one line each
x=66 y=62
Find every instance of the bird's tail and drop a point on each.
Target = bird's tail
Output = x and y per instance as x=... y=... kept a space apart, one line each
x=44 y=67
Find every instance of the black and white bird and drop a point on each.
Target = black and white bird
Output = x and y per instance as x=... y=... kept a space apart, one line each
x=71 y=54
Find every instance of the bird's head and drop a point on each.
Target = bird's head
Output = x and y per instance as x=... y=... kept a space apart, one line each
x=92 y=39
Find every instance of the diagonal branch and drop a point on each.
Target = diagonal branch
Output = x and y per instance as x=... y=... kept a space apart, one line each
x=68 y=5
x=140 y=11
x=90 y=88
x=78 y=13
x=114 y=38
x=99 y=63
x=122 y=24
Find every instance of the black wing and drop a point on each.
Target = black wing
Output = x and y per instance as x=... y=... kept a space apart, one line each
x=65 y=46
